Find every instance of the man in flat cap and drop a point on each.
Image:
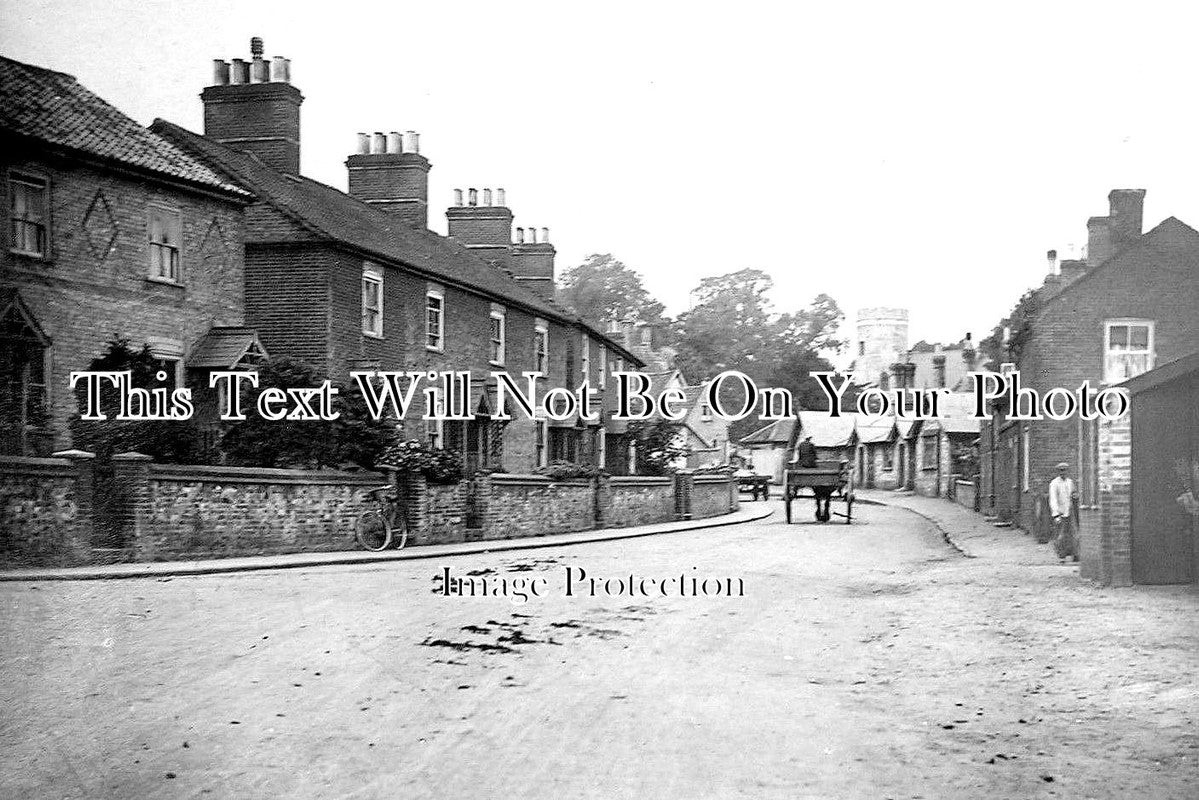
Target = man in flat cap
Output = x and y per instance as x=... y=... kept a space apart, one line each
x=1062 y=493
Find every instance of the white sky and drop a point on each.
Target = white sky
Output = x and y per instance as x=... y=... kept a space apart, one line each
x=905 y=154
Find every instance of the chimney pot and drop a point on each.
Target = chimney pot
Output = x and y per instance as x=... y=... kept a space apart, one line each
x=220 y=72
x=256 y=46
x=379 y=143
x=412 y=142
x=364 y=144
x=239 y=71
x=458 y=197
x=486 y=197
x=520 y=235
x=279 y=70
x=394 y=143
x=472 y=197
x=500 y=199
x=1051 y=257
x=545 y=235
x=260 y=70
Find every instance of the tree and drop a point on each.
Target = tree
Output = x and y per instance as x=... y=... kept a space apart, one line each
x=353 y=438
x=731 y=326
x=603 y=289
x=170 y=441
x=1019 y=326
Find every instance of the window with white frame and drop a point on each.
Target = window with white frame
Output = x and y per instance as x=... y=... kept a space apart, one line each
x=541 y=346
x=1127 y=349
x=585 y=360
x=29 y=212
x=372 y=300
x=601 y=449
x=435 y=428
x=496 y=355
x=1024 y=464
x=540 y=438
x=166 y=238
x=435 y=318
x=705 y=412
x=603 y=366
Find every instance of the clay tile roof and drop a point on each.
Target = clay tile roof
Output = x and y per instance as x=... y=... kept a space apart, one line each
x=223 y=348
x=54 y=108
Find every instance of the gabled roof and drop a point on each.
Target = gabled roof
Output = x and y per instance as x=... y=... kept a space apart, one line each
x=335 y=216
x=882 y=429
x=827 y=431
x=1159 y=233
x=779 y=431
x=224 y=348
x=53 y=108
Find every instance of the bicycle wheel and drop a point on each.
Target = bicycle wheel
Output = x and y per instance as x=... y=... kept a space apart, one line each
x=372 y=530
x=399 y=529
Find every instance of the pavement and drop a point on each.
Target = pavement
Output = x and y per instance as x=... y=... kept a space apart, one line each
x=759 y=659
x=213 y=566
x=968 y=531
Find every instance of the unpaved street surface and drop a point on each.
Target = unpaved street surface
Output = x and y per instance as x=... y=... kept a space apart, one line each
x=868 y=661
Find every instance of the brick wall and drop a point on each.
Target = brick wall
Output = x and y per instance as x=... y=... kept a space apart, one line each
x=1156 y=279
x=95 y=283
x=713 y=495
x=531 y=505
x=45 y=510
x=172 y=511
x=1106 y=550
x=638 y=500
x=965 y=493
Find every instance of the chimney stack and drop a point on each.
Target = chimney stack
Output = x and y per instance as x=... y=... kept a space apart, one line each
x=252 y=106
x=391 y=176
x=487 y=230
x=1099 y=241
x=1126 y=211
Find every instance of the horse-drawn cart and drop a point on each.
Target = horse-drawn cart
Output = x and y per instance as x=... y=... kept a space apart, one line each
x=756 y=485
x=828 y=480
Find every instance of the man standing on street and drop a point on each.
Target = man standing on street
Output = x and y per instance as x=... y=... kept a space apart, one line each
x=1061 y=507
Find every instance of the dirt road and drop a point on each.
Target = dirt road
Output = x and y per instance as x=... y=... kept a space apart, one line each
x=861 y=661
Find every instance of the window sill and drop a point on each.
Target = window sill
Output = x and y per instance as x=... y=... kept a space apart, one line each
x=373 y=335
x=44 y=257
x=433 y=349
x=496 y=363
x=163 y=282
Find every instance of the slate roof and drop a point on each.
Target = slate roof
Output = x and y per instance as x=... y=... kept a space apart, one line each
x=54 y=108
x=882 y=429
x=777 y=431
x=334 y=215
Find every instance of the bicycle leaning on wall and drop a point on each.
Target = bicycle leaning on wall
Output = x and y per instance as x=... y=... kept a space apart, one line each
x=384 y=526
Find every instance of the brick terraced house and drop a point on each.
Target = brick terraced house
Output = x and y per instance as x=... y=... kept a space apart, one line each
x=1131 y=305
x=113 y=231
x=356 y=280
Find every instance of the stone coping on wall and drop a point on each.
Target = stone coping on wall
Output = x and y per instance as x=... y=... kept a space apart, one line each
x=29 y=465
x=514 y=479
x=214 y=474
x=640 y=480
x=712 y=478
